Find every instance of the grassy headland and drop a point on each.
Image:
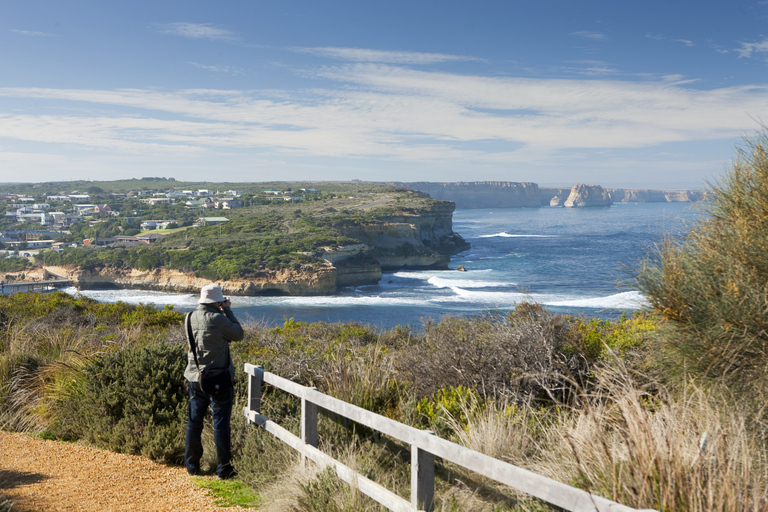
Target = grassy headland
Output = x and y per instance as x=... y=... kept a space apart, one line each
x=270 y=228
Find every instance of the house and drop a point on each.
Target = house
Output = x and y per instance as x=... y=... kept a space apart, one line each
x=81 y=209
x=158 y=200
x=200 y=203
x=102 y=209
x=234 y=193
x=150 y=238
x=99 y=242
x=75 y=198
x=210 y=221
x=204 y=192
x=228 y=203
x=57 y=199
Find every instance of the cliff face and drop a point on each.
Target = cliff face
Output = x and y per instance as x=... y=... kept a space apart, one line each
x=424 y=239
x=582 y=196
x=319 y=281
x=481 y=194
x=554 y=196
x=625 y=195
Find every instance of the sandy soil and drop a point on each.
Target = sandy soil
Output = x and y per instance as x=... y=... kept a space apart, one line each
x=44 y=476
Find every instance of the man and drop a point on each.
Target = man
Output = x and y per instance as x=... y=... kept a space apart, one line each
x=213 y=326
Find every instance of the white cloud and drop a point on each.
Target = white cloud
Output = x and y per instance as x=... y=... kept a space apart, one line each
x=387 y=113
x=587 y=34
x=747 y=49
x=219 y=69
x=196 y=31
x=390 y=57
x=32 y=33
x=659 y=37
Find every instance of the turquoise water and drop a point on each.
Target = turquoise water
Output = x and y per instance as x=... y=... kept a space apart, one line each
x=570 y=260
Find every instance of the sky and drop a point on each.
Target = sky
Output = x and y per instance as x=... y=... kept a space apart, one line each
x=652 y=94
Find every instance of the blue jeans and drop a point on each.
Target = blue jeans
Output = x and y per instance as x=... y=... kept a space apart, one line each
x=222 y=410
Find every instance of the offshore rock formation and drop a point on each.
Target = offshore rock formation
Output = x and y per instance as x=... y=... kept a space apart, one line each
x=554 y=196
x=481 y=194
x=587 y=196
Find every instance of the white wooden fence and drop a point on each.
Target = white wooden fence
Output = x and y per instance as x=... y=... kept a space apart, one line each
x=424 y=448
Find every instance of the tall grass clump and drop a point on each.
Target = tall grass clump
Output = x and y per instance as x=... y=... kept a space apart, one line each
x=713 y=287
x=687 y=449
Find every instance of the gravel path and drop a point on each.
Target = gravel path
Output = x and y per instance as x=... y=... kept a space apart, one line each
x=44 y=476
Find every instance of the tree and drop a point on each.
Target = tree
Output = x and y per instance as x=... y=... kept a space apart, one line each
x=713 y=287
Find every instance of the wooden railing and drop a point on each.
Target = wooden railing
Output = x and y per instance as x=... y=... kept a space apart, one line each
x=424 y=448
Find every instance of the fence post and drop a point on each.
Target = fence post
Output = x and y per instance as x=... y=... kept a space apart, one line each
x=308 y=424
x=254 y=389
x=422 y=478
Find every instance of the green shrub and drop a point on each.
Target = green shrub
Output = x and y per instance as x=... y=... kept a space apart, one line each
x=133 y=401
x=713 y=287
x=449 y=408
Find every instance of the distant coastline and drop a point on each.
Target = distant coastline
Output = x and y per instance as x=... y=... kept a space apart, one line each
x=509 y=194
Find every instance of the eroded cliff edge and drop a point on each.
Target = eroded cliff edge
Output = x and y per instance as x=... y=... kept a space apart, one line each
x=382 y=234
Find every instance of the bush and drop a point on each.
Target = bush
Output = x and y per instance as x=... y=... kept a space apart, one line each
x=133 y=401
x=520 y=357
x=713 y=287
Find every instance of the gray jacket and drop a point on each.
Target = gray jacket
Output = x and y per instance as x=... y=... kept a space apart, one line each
x=213 y=331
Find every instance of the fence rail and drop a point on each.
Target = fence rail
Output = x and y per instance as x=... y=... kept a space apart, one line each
x=424 y=448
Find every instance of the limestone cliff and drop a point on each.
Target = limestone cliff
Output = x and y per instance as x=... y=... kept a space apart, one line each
x=582 y=196
x=317 y=281
x=421 y=239
x=554 y=196
x=481 y=194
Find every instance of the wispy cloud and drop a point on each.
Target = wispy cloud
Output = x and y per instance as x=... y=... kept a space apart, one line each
x=230 y=70
x=588 y=34
x=196 y=31
x=32 y=33
x=591 y=68
x=659 y=37
x=395 y=112
x=389 y=57
x=748 y=49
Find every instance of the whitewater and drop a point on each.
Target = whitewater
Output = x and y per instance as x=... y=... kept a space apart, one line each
x=577 y=261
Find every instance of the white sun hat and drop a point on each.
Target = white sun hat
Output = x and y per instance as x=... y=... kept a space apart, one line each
x=211 y=293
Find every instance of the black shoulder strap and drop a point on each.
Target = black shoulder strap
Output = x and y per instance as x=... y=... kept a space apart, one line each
x=191 y=338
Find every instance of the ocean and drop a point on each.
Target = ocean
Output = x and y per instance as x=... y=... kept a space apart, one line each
x=571 y=260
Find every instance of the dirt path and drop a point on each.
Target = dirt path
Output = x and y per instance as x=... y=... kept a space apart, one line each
x=45 y=476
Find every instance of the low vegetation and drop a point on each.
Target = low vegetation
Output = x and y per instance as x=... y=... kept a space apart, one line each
x=663 y=410
x=529 y=388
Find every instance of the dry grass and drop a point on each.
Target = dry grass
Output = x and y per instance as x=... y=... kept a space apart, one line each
x=693 y=451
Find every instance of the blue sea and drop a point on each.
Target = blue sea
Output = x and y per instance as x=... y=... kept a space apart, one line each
x=572 y=260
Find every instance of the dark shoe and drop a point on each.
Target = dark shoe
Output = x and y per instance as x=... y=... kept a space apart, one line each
x=226 y=475
x=193 y=471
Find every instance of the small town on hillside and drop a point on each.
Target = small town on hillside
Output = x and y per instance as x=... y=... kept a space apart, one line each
x=99 y=218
